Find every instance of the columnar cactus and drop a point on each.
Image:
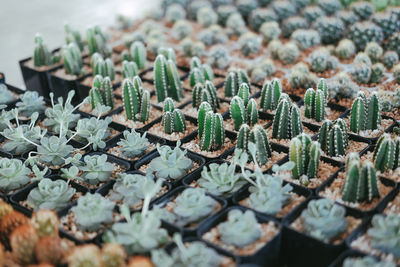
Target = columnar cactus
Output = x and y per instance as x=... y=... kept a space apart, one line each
x=243 y=109
x=138 y=54
x=101 y=92
x=9 y=223
x=333 y=137
x=305 y=154
x=41 y=55
x=136 y=100
x=205 y=93
x=129 y=69
x=173 y=119
x=270 y=95
x=361 y=180
x=166 y=79
x=72 y=59
x=199 y=73
x=103 y=67
x=365 y=113
x=23 y=241
x=233 y=81
x=97 y=41
x=287 y=120
x=211 y=128
x=386 y=153
x=314 y=104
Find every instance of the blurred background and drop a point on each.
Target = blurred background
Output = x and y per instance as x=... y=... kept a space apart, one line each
x=20 y=20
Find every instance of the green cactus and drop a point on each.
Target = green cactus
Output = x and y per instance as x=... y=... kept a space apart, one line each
x=103 y=67
x=314 y=104
x=41 y=55
x=211 y=131
x=365 y=113
x=173 y=119
x=323 y=86
x=243 y=109
x=333 y=137
x=199 y=73
x=129 y=69
x=136 y=100
x=305 y=154
x=287 y=121
x=97 y=41
x=166 y=81
x=205 y=93
x=361 y=180
x=72 y=59
x=138 y=54
x=101 y=92
x=386 y=153
x=233 y=81
x=270 y=94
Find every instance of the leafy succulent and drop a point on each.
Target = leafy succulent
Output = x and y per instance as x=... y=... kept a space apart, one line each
x=191 y=206
x=385 y=235
x=49 y=194
x=54 y=150
x=5 y=95
x=220 y=179
x=241 y=229
x=323 y=219
x=92 y=212
x=13 y=174
x=367 y=261
x=96 y=169
x=133 y=144
x=93 y=131
x=30 y=102
x=5 y=117
x=171 y=164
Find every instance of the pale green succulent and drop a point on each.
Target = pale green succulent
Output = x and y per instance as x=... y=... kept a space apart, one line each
x=367 y=261
x=54 y=150
x=133 y=144
x=13 y=174
x=384 y=233
x=5 y=117
x=171 y=164
x=49 y=194
x=220 y=179
x=96 y=169
x=92 y=212
x=93 y=131
x=191 y=206
x=5 y=95
x=30 y=102
x=241 y=229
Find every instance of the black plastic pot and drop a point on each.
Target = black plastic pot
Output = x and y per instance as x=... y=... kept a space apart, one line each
x=296 y=246
x=148 y=158
x=347 y=254
x=60 y=87
x=189 y=230
x=22 y=195
x=244 y=193
x=268 y=255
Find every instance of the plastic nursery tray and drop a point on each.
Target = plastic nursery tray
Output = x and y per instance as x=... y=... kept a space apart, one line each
x=243 y=193
x=348 y=254
x=23 y=193
x=189 y=230
x=151 y=138
x=148 y=158
x=268 y=255
x=297 y=244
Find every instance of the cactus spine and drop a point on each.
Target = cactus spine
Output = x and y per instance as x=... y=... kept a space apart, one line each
x=305 y=154
x=136 y=100
x=386 y=153
x=211 y=128
x=9 y=223
x=129 y=69
x=101 y=92
x=243 y=109
x=138 y=54
x=72 y=59
x=199 y=73
x=365 y=113
x=270 y=95
x=205 y=93
x=173 y=119
x=361 y=181
x=103 y=67
x=166 y=79
x=314 y=104
x=287 y=120
x=333 y=137
x=234 y=79
x=22 y=242
x=323 y=86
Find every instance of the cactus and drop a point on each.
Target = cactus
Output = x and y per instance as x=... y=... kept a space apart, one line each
x=211 y=128
x=72 y=59
x=288 y=53
x=333 y=137
x=305 y=154
x=73 y=36
x=52 y=250
x=250 y=43
x=46 y=223
x=9 y=223
x=374 y=51
x=97 y=41
x=287 y=120
x=386 y=153
x=136 y=100
x=270 y=31
x=85 y=256
x=41 y=56
x=314 y=104
x=291 y=24
x=361 y=181
x=129 y=69
x=390 y=58
x=199 y=73
x=233 y=81
x=101 y=92
x=365 y=113
x=331 y=29
x=22 y=241
x=137 y=52
x=205 y=93
x=363 y=32
x=173 y=119
x=242 y=109
x=103 y=67
x=166 y=81
x=259 y=16
x=270 y=95
x=345 y=49
x=362 y=9
x=219 y=57
x=306 y=38
x=174 y=12
x=113 y=255
x=5 y=208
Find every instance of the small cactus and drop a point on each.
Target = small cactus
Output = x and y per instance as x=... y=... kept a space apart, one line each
x=22 y=241
x=386 y=153
x=365 y=113
x=101 y=92
x=243 y=109
x=103 y=67
x=46 y=223
x=85 y=256
x=314 y=104
x=205 y=93
x=97 y=42
x=41 y=56
x=211 y=129
x=173 y=119
x=129 y=69
x=333 y=137
x=138 y=54
x=136 y=100
x=270 y=95
x=233 y=81
x=166 y=81
x=5 y=209
x=361 y=180
x=305 y=154
x=113 y=255
x=52 y=250
x=9 y=223
x=72 y=59
x=287 y=120
x=199 y=73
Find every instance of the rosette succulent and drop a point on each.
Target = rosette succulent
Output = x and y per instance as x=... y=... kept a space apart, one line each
x=30 y=102
x=133 y=144
x=54 y=150
x=171 y=164
x=191 y=206
x=367 y=261
x=5 y=95
x=241 y=229
x=93 y=131
x=323 y=219
x=92 y=212
x=384 y=234
x=49 y=194
x=96 y=169
x=13 y=174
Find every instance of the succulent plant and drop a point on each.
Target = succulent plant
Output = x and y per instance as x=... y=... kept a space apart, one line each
x=49 y=194
x=5 y=95
x=166 y=80
x=73 y=36
x=245 y=7
x=365 y=113
x=13 y=174
x=104 y=67
x=390 y=58
x=288 y=53
x=314 y=104
x=383 y=233
x=92 y=212
x=362 y=9
x=234 y=80
x=396 y=73
x=283 y=9
x=305 y=154
x=54 y=150
x=137 y=53
x=289 y=25
x=30 y=103
x=270 y=31
x=9 y=223
x=46 y=222
x=224 y=11
x=96 y=169
x=393 y=43
x=345 y=49
x=259 y=16
x=258 y=136
x=242 y=112
x=366 y=261
x=174 y=13
x=219 y=57
x=312 y=12
x=93 y=131
x=193 y=48
x=113 y=255
x=374 y=51
x=333 y=137
x=101 y=92
x=323 y=219
x=386 y=153
x=321 y=60
x=235 y=24
x=331 y=29
x=347 y=16
x=23 y=240
x=388 y=21
x=173 y=119
x=301 y=77
x=136 y=100
x=241 y=228
x=191 y=206
x=133 y=144
x=71 y=55
x=287 y=121
x=330 y=6
x=250 y=43
x=181 y=29
x=199 y=73
x=129 y=69
x=205 y=93
x=171 y=163
x=270 y=95
x=361 y=180
x=341 y=86
x=211 y=130
x=362 y=33
x=206 y=17
x=97 y=41
x=41 y=55
x=306 y=38
x=88 y=255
